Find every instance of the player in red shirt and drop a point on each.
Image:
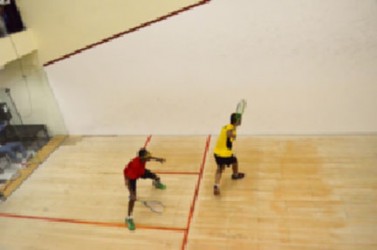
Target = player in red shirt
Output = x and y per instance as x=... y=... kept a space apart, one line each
x=134 y=170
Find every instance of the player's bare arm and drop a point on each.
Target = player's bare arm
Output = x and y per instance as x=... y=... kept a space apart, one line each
x=231 y=134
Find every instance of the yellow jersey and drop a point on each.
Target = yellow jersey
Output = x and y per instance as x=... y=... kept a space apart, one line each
x=224 y=143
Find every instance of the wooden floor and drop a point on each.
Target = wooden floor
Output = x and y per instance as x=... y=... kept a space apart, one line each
x=299 y=193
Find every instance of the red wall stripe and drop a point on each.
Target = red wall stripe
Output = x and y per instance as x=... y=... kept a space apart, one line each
x=143 y=25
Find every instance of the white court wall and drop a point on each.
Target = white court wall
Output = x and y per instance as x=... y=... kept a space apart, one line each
x=62 y=27
x=305 y=67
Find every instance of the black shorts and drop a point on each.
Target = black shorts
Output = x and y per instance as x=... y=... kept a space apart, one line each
x=221 y=161
x=147 y=175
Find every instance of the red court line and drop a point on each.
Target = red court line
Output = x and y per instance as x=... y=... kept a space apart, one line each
x=147 y=141
x=182 y=173
x=192 y=208
x=138 y=226
x=84 y=222
x=121 y=225
x=143 y=25
x=51 y=219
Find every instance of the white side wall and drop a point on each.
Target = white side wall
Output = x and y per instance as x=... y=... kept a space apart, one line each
x=62 y=27
x=305 y=67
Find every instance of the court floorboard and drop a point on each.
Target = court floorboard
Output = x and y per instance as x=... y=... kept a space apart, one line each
x=313 y=192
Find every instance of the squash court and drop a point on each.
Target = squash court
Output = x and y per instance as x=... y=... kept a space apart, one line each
x=86 y=84
x=299 y=193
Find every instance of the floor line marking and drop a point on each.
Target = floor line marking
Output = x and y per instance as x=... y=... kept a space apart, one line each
x=178 y=173
x=149 y=138
x=196 y=193
x=85 y=222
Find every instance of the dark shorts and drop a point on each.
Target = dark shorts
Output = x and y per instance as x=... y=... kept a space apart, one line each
x=221 y=161
x=147 y=175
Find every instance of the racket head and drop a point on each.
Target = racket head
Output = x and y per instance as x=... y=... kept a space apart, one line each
x=241 y=106
x=154 y=206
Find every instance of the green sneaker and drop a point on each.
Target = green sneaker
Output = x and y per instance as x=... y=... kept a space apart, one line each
x=159 y=185
x=130 y=224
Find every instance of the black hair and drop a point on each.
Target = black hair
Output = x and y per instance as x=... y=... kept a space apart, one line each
x=235 y=117
x=143 y=152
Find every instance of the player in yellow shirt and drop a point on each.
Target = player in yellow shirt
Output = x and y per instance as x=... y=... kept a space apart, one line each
x=223 y=151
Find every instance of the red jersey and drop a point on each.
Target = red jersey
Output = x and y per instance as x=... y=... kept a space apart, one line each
x=134 y=169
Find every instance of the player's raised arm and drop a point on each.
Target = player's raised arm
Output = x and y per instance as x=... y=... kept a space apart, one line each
x=159 y=159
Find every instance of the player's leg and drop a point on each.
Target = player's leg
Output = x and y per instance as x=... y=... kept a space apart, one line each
x=131 y=203
x=236 y=174
x=220 y=168
x=219 y=171
x=156 y=179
